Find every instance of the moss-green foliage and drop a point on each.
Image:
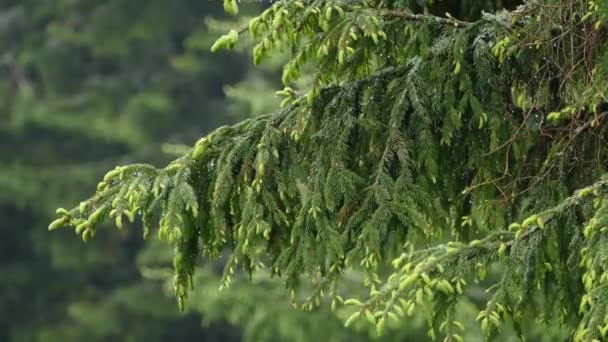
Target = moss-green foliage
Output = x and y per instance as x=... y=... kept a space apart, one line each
x=447 y=145
x=84 y=84
x=261 y=308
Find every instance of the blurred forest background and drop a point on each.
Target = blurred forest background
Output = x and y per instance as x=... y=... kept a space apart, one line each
x=85 y=86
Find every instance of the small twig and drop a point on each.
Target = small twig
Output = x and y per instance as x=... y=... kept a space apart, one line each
x=449 y=20
x=588 y=124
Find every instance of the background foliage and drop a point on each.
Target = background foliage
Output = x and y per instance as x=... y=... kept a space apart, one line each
x=84 y=85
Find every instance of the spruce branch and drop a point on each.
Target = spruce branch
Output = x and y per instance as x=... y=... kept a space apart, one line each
x=413 y=133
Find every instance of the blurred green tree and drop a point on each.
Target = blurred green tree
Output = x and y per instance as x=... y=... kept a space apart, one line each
x=86 y=84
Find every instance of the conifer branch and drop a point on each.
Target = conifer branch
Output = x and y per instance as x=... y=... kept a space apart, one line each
x=372 y=158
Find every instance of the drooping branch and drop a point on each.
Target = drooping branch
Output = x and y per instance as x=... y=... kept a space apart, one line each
x=373 y=158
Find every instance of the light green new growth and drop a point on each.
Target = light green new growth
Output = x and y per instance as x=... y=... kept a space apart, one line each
x=448 y=147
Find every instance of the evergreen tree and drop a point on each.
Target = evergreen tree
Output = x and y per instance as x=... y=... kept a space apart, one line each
x=84 y=84
x=456 y=148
